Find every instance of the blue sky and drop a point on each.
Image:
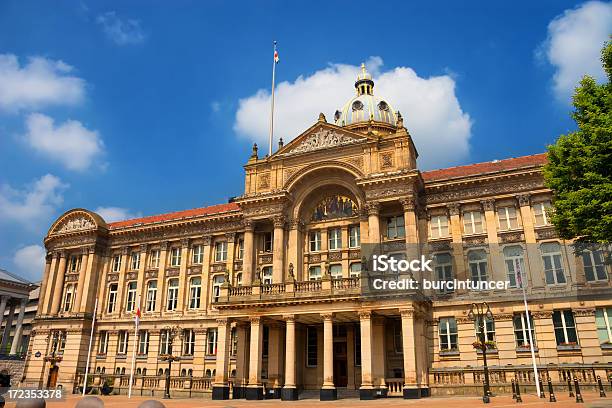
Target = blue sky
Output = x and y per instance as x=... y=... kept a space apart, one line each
x=137 y=109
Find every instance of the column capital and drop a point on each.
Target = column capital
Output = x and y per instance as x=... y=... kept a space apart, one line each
x=488 y=205
x=289 y=318
x=61 y=253
x=144 y=247
x=230 y=236
x=454 y=208
x=206 y=240
x=365 y=314
x=125 y=250
x=255 y=320
x=185 y=242
x=407 y=313
x=327 y=316
x=523 y=199
x=163 y=245
x=278 y=221
x=296 y=223
x=222 y=321
x=248 y=225
x=408 y=204
x=373 y=208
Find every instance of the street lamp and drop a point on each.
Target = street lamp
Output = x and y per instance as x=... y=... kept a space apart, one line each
x=171 y=332
x=479 y=312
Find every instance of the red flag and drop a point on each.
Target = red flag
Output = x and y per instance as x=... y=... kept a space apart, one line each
x=137 y=317
x=276 y=56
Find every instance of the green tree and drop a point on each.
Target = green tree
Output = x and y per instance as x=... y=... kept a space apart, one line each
x=580 y=164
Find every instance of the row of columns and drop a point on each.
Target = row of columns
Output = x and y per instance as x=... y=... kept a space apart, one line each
x=4 y=300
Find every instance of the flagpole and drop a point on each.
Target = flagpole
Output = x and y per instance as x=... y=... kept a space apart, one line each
x=91 y=336
x=135 y=344
x=517 y=267
x=272 y=107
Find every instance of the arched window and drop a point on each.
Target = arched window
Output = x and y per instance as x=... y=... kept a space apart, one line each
x=183 y=372
x=208 y=373
x=513 y=256
x=216 y=289
x=123 y=371
x=477 y=261
x=151 y=295
x=443 y=265
x=173 y=288
x=190 y=372
x=138 y=371
x=195 y=292
x=97 y=369
x=160 y=372
x=355 y=269
x=239 y=279
x=553 y=264
x=144 y=371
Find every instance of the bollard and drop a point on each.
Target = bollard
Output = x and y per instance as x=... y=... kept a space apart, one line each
x=542 y=394
x=518 y=392
x=578 y=394
x=551 y=392
x=602 y=393
x=569 y=387
x=513 y=390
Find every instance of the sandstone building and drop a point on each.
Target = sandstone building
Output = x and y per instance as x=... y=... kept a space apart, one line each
x=264 y=295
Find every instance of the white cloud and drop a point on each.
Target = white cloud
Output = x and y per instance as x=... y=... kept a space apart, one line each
x=30 y=261
x=574 y=43
x=34 y=205
x=40 y=82
x=121 y=31
x=112 y=214
x=69 y=143
x=432 y=114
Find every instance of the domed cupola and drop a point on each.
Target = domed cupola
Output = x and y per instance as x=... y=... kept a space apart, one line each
x=366 y=110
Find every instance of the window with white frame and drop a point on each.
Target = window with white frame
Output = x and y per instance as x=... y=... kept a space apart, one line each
x=603 y=321
x=395 y=227
x=334 y=238
x=508 y=219
x=221 y=251
x=472 y=222
x=172 y=294
x=312 y=349
x=154 y=259
x=512 y=255
x=122 y=342
x=239 y=279
x=233 y=342
x=197 y=254
x=175 y=257
x=103 y=344
x=565 y=328
x=522 y=329
x=195 y=292
x=68 y=297
x=266 y=275
x=314 y=273
x=151 y=296
x=112 y=298
x=165 y=342
x=188 y=342
x=267 y=241
x=130 y=304
x=315 y=241
x=354 y=236
x=553 y=263
x=143 y=342
x=477 y=261
x=58 y=341
x=74 y=265
x=489 y=329
x=211 y=342
x=117 y=263
x=443 y=265
x=335 y=271
x=355 y=269
x=240 y=254
x=540 y=213
x=594 y=265
x=438 y=226
x=447 y=330
x=135 y=261
x=216 y=287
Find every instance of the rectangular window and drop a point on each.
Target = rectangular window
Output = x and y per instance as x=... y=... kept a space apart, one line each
x=472 y=222
x=75 y=263
x=513 y=255
x=439 y=226
x=553 y=264
x=443 y=265
x=335 y=271
x=112 y=298
x=603 y=321
x=315 y=241
x=233 y=342
x=188 y=342
x=135 y=261
x=448 y=334
x=521 y=330
x=314 y=273
x=477 y=261
x=355 y=269
x=211 y=342
x=266 y=275
x=173 y=287
x=594 y=266
x=68 y=296
x=489 y=329
x=508 y=219
x=165 y=342
x=58 y=341
x=154 y=259
x=143 y=342
x=267 y=242
x=395 y=227
x=216 y=289
x=117 y=263
x=265 y=342
x=103 y=345
x=354 y=236
x=195 y=292
x=197 y=254
x=151 y=296
x=175 y=257
x=131 y=297
x=221 y=251
x=540 y=215
x=122 y=343
x=565 y=328
x=312 y=349
x=334 y=236
x=240 y=254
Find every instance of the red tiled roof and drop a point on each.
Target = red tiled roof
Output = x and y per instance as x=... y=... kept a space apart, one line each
x=195 y=212
x=513 y=163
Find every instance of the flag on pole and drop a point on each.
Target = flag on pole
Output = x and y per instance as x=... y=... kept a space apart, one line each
x=137 y=317
x=275 y=55
x=517 y=271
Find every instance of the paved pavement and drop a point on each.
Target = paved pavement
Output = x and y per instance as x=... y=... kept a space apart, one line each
x=592 y=400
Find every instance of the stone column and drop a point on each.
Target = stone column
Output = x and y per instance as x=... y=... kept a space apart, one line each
x=220 y=389
x=231 y=249
x=161 y=276
x=140 y=285
x=18 y=327
x=47 y=296
x=242 y=365
x=249 y=251
x=379 y=358
x=278 y=249
x=295 y=248
x=275 y=349
x=289 y=391
x=373 y=222
x=76 y=306
x=328 y=390
x=366 y=391
x=125 y=259
x=3 y=300
x=254 y=390
x=207 y=240
x=58 y=290
x=411 y=389
x=495 y=263
x=7 y=329
x=459 y=269
x=533 y=260
x=183 y=284
x=43 y=285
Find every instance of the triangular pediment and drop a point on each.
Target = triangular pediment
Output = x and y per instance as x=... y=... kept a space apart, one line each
x=322 y=135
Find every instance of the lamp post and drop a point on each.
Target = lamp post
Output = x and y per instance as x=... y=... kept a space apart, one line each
x=171 y=333
x=478 y=312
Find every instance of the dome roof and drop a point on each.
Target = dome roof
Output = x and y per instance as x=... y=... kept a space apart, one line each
x=365 y=106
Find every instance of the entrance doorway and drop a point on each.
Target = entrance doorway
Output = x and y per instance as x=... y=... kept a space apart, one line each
x=340 y=364
x=52 y=381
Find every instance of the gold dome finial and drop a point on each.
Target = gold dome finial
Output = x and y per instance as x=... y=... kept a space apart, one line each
x=363 y=68
x=364 y=83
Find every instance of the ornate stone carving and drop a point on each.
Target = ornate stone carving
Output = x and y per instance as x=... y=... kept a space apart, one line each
x=151 y=274
x=548 y=233
x=314 y=258
x=511 y=237
x=248 y=225
x=373 y=208
x=218 y=267
x=523 y=199
x=112 y=277
x=407 y=312
x=265 y=259
x=289 y=318
x=454 y=208
x=364 y=314
x=488 y=205
x=170 y=273
x=335 y=256
x=230 y=236
x=72 y=278
x=356 y=161
x=131 y=276
x=388 y=191
x=185 y=242
x=206 y=240
x=408 y=204
x=278 y=221
x=323 y=139
x=386 y=160
x=76 y=223
x=584 y=312
x=474 y=241
x=463 y=192
x=264 y=181
x=327 y=315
